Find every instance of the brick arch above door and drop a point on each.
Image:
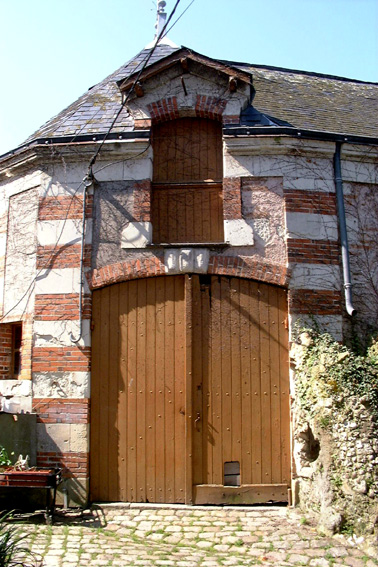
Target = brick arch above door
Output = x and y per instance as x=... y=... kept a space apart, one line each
x=240 y=266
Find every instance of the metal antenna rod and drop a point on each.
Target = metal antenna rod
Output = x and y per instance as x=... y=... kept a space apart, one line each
x=161 y=17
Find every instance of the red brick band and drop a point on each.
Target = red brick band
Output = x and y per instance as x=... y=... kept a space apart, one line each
x=61 y=410
x=232 y=204
x=210 y=107
x=73 y=464
x=142 y=201
x=62 y=207
x=315 y=302
x=313 y=251
x=163 y=110
x=316 y=202
x=66 y=256
x=242 y=267
x=61 y=306
x=61 y=359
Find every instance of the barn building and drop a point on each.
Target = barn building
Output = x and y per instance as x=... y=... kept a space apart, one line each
x=160 y=238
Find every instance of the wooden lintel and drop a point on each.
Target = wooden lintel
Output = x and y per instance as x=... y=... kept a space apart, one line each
x=246 y=494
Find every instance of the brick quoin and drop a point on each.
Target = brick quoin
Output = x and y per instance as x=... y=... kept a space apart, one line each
x=163 y=110
x=61 y=306
x=318 y=202
x=61 y=410
x=74 y=465
x=142 y=201
x=66 y=256
x=315 y=302
x=225 y=265
x=61 y=207
x=210 y=107
x=61 y=359
x=232 y=204
x=313 y=251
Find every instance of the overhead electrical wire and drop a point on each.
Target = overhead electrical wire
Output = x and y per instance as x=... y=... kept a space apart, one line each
x=90 y=175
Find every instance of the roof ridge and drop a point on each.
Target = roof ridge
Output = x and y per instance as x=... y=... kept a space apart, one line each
x=297 y=72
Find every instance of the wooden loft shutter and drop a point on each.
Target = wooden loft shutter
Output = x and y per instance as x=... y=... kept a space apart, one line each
x=187 y=202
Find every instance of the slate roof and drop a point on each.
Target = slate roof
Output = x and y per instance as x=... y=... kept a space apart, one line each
x=304 y=100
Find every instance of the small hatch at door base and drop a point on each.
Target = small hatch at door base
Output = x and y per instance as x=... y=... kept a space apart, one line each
x=232 y=473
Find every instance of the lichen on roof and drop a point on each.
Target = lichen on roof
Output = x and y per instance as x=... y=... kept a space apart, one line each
x=304 y=100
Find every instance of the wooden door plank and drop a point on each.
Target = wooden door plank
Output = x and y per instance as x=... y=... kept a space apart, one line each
x=245 y=371
x=266 y=420
x=104 y=395
x=169 y=389
x=215 y=437
x=122 y=385
x=159 y=404
x=188 y=391
x=113 y=425
x=236 y=408
x=284 y=388
x=275 y=384
x=198 y=383
x=96 y=396
x=206 y=390
x=151 y=391
x=140 y=395
x=179 y=389
x=226 y=375
x=131 y=401
x=255 y=342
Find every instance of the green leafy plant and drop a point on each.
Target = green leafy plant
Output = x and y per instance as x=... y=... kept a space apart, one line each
x=4 y=457
x=13 y=550
x=331 y=370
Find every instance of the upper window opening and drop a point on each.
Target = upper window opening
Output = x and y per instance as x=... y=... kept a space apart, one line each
x=187 y=202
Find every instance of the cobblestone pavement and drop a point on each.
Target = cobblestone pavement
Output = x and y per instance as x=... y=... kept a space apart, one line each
x=182 y=536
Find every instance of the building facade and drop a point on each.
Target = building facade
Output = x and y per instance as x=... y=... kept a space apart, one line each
x=161 y=238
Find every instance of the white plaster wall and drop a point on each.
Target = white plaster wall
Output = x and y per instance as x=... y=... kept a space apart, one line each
x=65 y=437
x=18 y=183
x=332 y=324
x=61 y=384
x=52 y=232
x=136 y=235
x=129 y=169
x=315 y=276
x=238 y=232
x=60 y=333
x=21 y=253
x=64 y=280
x=312 y=226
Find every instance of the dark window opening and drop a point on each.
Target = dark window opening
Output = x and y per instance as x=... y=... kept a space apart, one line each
x=16 y=349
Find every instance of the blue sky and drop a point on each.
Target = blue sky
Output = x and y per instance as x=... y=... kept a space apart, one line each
x=52 y=51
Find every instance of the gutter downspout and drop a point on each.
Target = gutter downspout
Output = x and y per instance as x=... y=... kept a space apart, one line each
x=343 y=231
x=87 y=181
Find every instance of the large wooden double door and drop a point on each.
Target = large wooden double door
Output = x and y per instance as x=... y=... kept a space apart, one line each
x=190 y=392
